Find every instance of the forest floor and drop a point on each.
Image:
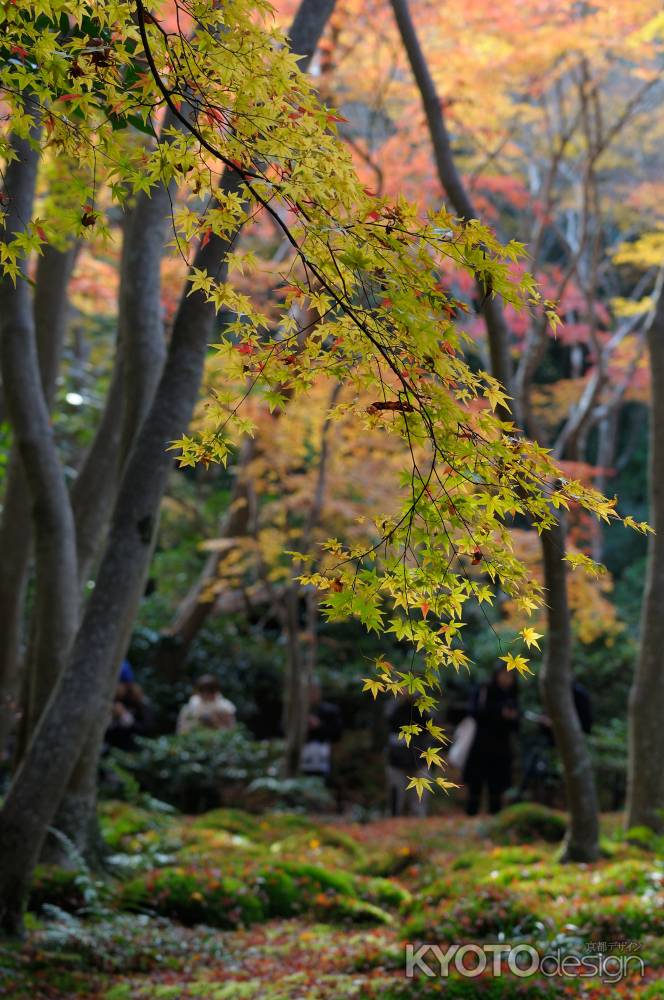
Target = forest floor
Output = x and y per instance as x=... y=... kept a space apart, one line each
x=230 y=906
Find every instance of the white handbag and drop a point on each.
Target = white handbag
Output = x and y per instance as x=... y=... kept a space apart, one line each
x=464 y=736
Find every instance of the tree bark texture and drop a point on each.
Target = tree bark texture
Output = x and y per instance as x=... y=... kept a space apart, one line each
x=582 y=837
x=645 y=776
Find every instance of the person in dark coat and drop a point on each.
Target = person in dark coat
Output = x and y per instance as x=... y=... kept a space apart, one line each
x=405 y=761
x=131 y=715
x=324 y=728
x=495 y=708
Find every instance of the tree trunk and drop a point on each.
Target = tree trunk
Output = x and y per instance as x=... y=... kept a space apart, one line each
x=50 y=310
x=452 y=183
x=15 y=545
x=296 y=686
x=77 y=706
x=645 y=777
x=174 y=644
x=140 y=360
x=557 y=669
x=582 y=837
x=55 y=604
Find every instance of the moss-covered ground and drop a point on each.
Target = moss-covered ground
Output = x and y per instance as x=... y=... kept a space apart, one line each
x=282 y=907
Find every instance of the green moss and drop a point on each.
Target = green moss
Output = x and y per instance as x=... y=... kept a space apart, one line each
x=385 y=863
x=194 y=897
x=485 y=914
x=120 y=821
x=385 y=893
x=345 y=909
x=312 y=878
x=233 y=820
x=527 y=821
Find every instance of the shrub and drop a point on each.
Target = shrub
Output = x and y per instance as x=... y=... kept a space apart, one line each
x=527 y=821
x=202 y=769
x=271 y=792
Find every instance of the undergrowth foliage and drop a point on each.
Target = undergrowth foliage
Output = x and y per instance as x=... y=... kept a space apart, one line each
x=130 y=99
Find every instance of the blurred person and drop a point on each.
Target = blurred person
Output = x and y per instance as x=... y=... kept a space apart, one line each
x=131 y=715
x=537 y=757
x=324 y=727
x=404 y=762
x=495 y=708
x=207 y=708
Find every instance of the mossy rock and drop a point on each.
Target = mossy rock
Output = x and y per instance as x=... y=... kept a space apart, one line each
x=337 y=909
x=120 y=821
x=312 y=878
x=389 y=862
x=322 y=838
x=232 y=820
x=384 y=892
x=527 y=821
x=485 y=914
x=194 y=897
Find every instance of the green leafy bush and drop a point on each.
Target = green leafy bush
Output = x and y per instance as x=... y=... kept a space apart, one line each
x=272 y=792
x=527 y=821
x=202 y=769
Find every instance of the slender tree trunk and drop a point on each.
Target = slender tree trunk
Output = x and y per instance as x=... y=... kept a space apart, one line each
x=607 y=432
x=50 y=312
x=140 y=361
x=582 y=837
x=301 y=661
x=296 y=686
x=174 y=644
x=55 y=604
x=557 y=670
x=645 y=777
x=452 y=183
x=15 y=545
x=79 y=704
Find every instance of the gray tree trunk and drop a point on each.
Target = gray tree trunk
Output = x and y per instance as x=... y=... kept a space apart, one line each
x=645 y=777
x=579 y=776
x=140 y=359
x=452 y=183
x=55 y=602
x=50 y=310
x=582 y=837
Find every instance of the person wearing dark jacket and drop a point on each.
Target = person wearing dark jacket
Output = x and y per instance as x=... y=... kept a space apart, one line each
x=324 y=728
x=405 y=761
x=131 y=715
x=495 y=708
